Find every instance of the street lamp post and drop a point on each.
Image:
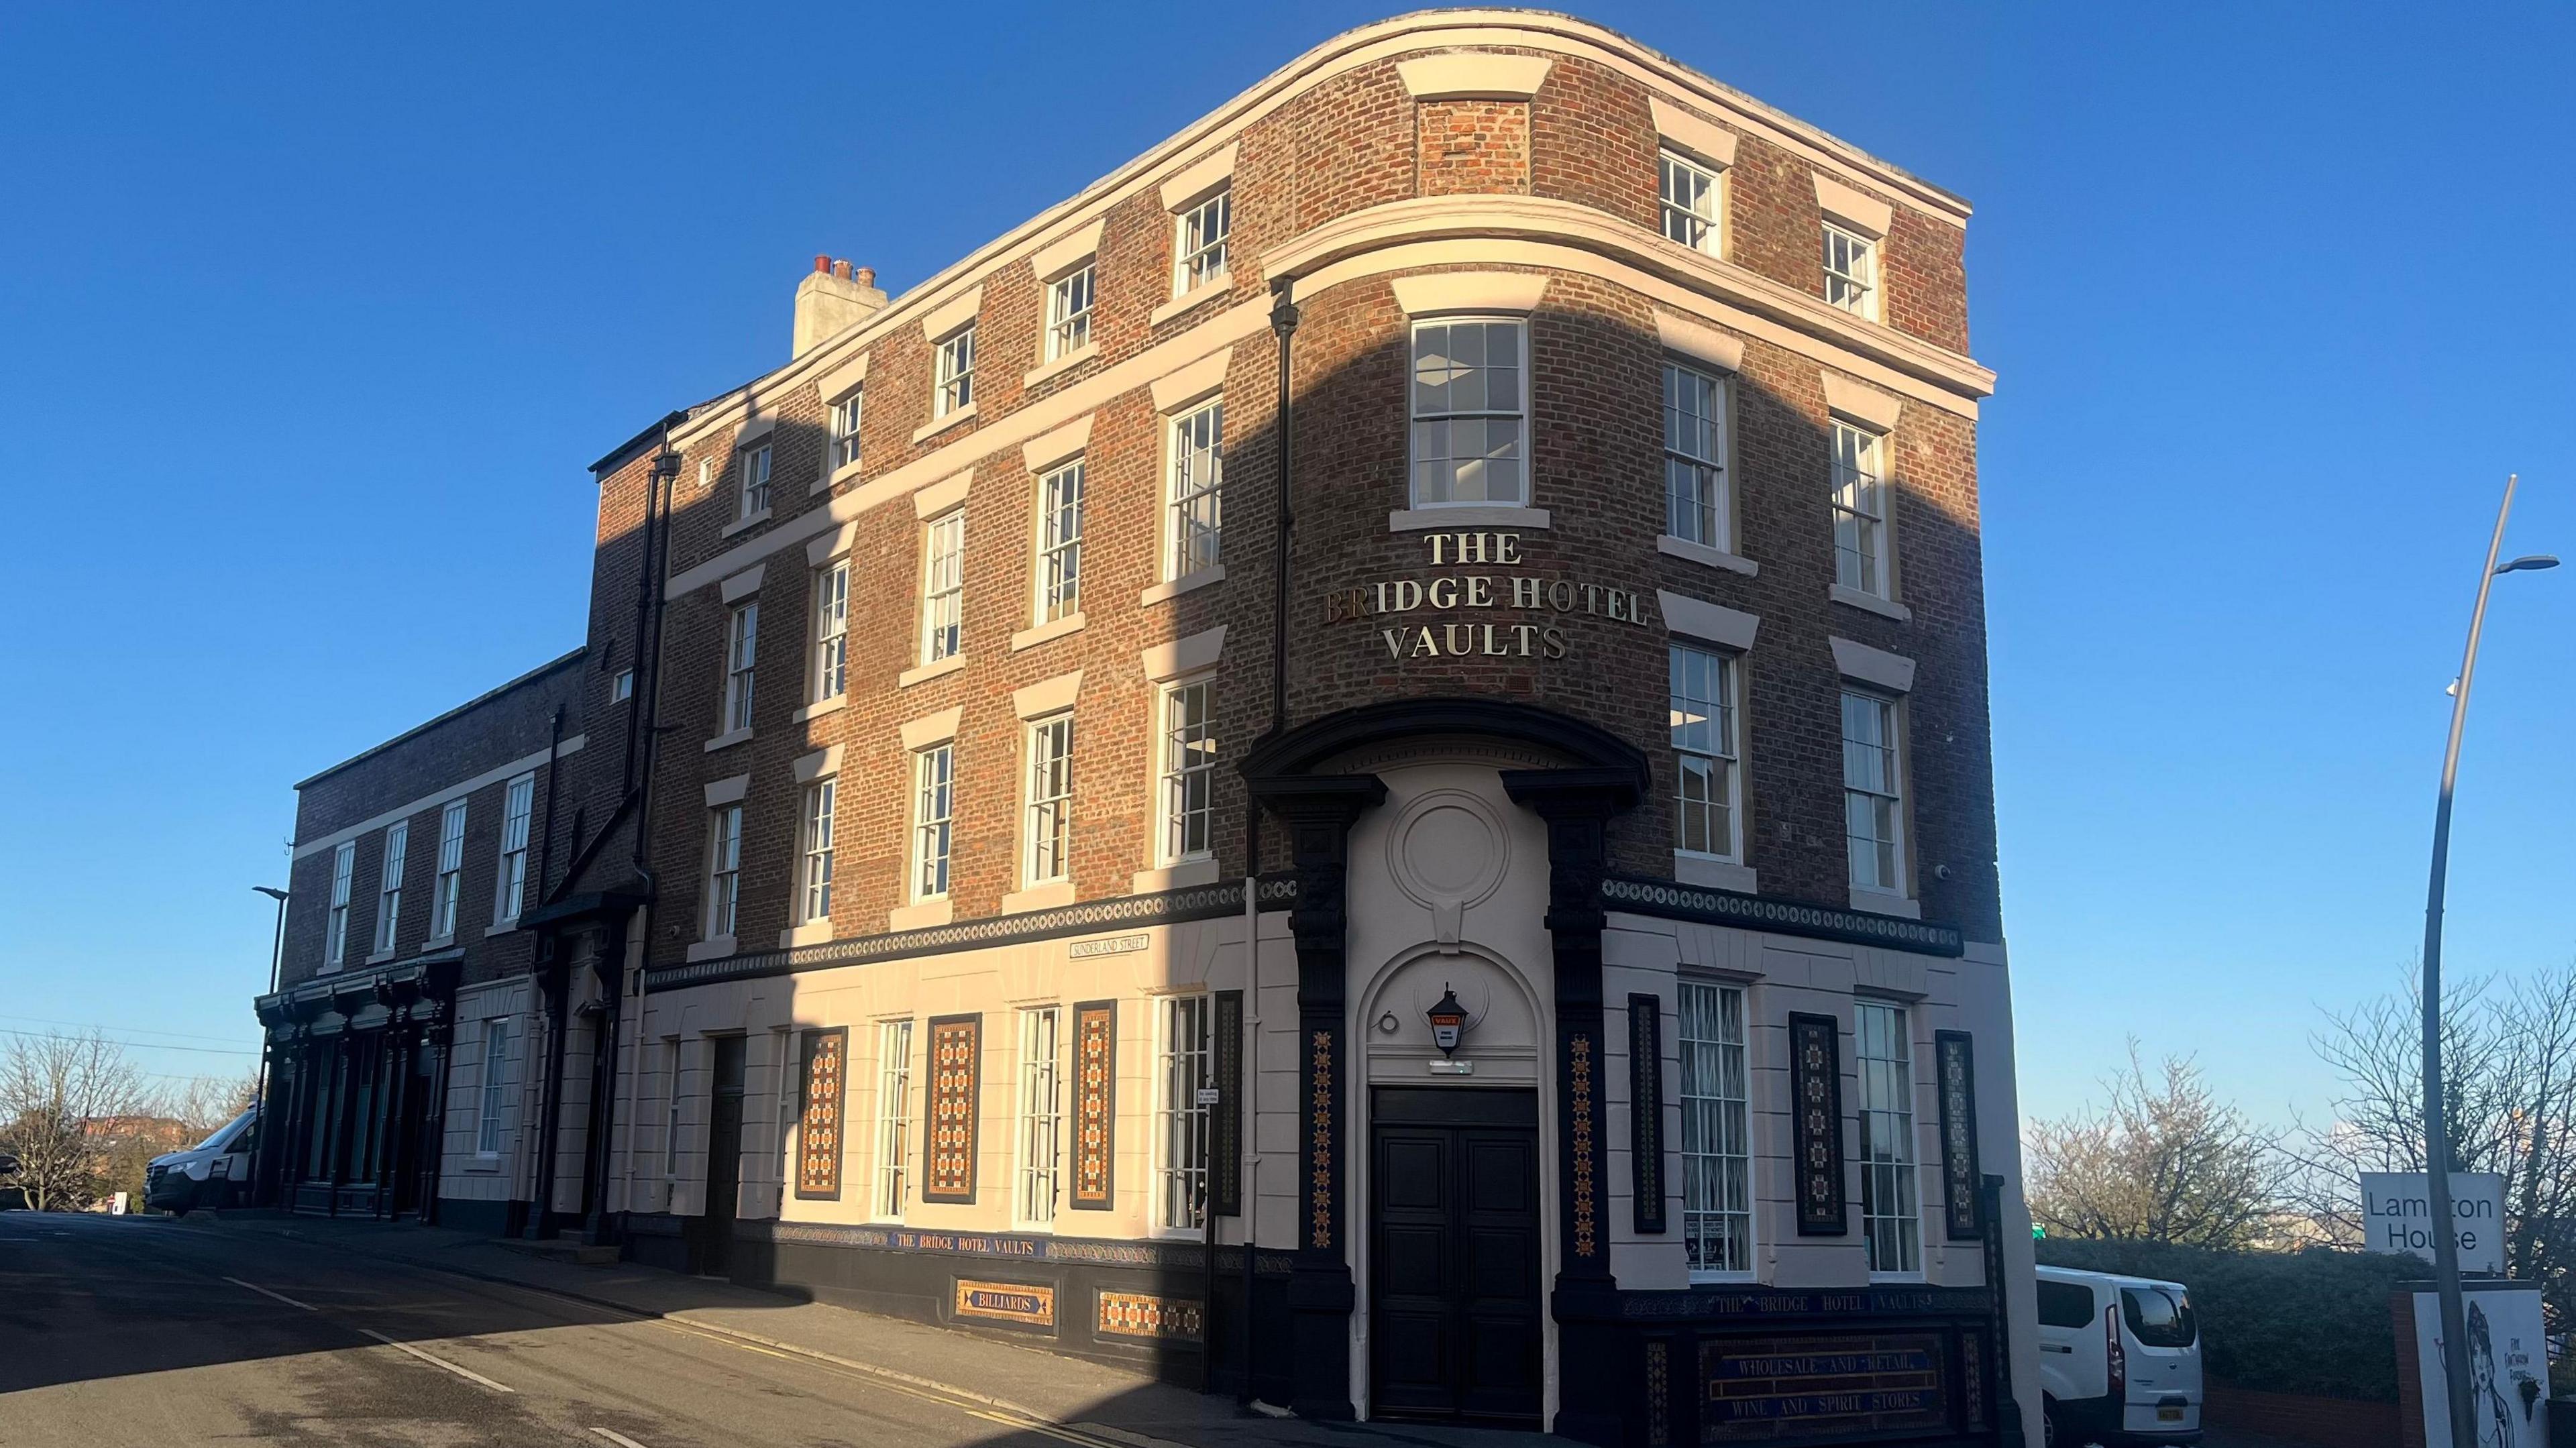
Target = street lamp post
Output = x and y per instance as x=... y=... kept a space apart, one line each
x=2437 y=1142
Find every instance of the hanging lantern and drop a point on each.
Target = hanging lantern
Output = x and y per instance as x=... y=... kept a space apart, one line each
x=1448 y=1021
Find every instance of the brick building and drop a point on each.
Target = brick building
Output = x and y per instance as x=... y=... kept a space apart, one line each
x=1502 y=928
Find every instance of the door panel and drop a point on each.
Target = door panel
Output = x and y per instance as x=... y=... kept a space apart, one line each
x=1454 y=1265
x=724 y=1156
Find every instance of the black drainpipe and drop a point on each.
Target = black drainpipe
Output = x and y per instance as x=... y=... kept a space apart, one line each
x=549 y=960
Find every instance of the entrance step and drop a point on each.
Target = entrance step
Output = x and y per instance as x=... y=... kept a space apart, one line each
x=564 y=1249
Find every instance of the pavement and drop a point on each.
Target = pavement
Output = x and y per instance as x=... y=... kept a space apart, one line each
x=289 y=1330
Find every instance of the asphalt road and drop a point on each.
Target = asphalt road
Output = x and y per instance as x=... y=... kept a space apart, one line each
x=157 y=1334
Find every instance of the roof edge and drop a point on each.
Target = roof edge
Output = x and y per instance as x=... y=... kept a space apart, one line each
x=551 y=666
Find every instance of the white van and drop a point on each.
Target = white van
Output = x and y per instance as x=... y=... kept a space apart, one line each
x=2119 y=1360
x=210 y=1175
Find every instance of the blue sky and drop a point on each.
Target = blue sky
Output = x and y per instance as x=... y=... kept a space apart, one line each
x=310 y=320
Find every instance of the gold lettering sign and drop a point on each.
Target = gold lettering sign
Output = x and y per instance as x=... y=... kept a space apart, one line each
x=1386 y=603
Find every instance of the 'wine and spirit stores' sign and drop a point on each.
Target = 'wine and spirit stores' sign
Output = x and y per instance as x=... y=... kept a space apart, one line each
x=1475 y=613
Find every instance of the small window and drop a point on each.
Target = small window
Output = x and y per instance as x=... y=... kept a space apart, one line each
x=517 y=805
x=814 y=872
x=1717 y=1152
x=449 y=886
x=1703 y=724
x=753 y=472
x=1049 y=838
x=1188 y=771
x=845 y=428
x=1041 y=1115
x=1192 y=540
x=671 y=1105
x=496 y=1056
x=742 y=650
x=335 y=944
x=943 y=585
x=934 y=803
x=621 y=687
x=1069 y=312
x=1696 y=507
x=955 y=379
x=1201 y=246
x=1468 y=413
x=894 y=1117
x=724 y=872
x=2065 y=1304
x=1860 y=511
x=389 y=883
x=1691 y=204
x=1059 y=570
x=831 y=632
x=1891 y=1217
x=2159 y=1316
x=1873 y=794
x=1181 y=1135
x=1851 y=271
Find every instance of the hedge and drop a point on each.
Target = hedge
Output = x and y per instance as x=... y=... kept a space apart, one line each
x=2305 y=1322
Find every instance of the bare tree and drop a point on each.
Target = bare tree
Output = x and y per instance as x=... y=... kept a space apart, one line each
x=53 y=1089
x=2163 y=1161
x=206 y=1103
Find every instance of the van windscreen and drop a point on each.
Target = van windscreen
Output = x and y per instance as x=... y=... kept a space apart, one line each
x=2065 y=1304
x=2159 y=1317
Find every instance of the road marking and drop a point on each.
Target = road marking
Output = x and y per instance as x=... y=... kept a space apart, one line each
x=280 y=1296
x=620 y=1439
x=1031 y=1425
x=432 y=1361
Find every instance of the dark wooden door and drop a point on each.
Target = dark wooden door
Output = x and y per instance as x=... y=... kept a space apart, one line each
x=1454 y=1256
x=724 y=1157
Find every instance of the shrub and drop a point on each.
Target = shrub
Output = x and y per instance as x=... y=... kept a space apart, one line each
x=2306 y=1322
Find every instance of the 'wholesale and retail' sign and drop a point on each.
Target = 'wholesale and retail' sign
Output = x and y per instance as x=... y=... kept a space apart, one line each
x=1529 y=602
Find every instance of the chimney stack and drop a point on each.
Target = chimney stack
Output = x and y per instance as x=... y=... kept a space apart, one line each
x=831 y=301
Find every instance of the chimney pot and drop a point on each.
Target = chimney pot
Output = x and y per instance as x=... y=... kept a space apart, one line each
x=867 y=276
x=822 y=263
x=840 y=268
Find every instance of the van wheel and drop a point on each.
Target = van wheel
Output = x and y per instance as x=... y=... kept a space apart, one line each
x=2048 y=1421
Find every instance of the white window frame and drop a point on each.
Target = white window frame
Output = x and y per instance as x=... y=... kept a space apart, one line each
x=1716 y=1139
x=1185 y=771
x=518 y=811
x=448 y=889
x=1441 y=424
x=1862 y=553
x=671 y=1116
x=1891 y=1187
x=335 y=941
x=1040 y=1137
x=1874 y=781
x=1200 y=233
x=847 y=414
x=814 y=853
x=952 y=381
x=1692 y=197
x=1184 y=1060
x=1069 y=303
x=494 y=1099
x=751 y=477
x=1706 y=729
x=1851 y=271
x=1194 y=491
x=1699 y=502
x=621 y=686
x=389 y=885
x=1058 y=569
x=1046 y=831
x=890 y=1176
x=830 y=675
x=742 y=659
x=943 y=586
x=934 y=815
x=724 y=873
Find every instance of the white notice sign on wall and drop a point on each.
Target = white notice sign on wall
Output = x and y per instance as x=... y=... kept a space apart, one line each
x=2397 y=1216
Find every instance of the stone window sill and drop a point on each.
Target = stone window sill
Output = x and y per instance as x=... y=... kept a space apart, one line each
x=1179 y=876
x=1704 y=555
x=1061 y=365
x=715 y=949
x=379 y=958
x=1881 y=902
x=938 y=425
x=1465 y=515
x=847 y=472
x=506 y=927
x=1038 y=897
x=927 y=672
x=1204 y=292
x=739 y=525
x=1029 y=638
x=1717 y=874
x=437 y=942
x=819 y=708
x=1165 y=592
x=1872 y=603
x=921 y=915
x=815 y=932
x=728 y=739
